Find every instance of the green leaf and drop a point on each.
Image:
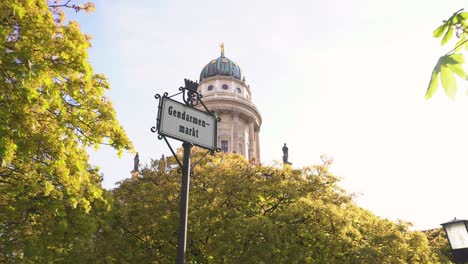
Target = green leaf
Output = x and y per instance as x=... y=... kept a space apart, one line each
x=447 y=66
x=460 y=43
x=448 y=82
x=453 y=58
x=464 y=15
x=434 y=82
x=440 y=30
x=454 y=62
x=460 y=19
x=48 y=188
x=458 y=70
x=448 y=35
x=7 y=151
x=18 y=10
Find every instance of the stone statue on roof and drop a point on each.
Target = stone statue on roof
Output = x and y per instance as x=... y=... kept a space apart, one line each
x=136 y=162
x=286 y=155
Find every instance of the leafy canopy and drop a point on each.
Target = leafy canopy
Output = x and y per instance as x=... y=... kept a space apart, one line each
x=245 y=213
x=451 y=64
x=52 y=106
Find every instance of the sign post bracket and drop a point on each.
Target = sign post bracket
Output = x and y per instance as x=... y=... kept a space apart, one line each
x=173 y=152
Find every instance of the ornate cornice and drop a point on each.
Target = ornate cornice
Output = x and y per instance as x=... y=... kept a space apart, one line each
x=234 y=104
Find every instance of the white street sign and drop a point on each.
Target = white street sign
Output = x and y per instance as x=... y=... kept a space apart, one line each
x=188 y=124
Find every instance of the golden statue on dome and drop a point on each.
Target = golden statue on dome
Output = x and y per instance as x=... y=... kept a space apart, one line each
x=222 y=48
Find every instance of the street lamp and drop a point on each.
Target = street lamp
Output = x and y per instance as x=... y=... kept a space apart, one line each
x=457 y=234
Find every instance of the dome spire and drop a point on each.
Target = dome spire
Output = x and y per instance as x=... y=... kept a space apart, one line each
x=221 y=66
x=221 y=45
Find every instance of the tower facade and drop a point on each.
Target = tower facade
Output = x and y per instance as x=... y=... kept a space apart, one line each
x=225 y=91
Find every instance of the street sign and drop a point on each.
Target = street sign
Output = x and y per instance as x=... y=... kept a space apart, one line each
x=193 y=127
x=185 y=123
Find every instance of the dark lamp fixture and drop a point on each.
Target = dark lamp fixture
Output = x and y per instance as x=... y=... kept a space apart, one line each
x=457 y=234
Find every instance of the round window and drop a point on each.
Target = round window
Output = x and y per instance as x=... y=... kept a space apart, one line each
x=210 y=87
x=238 y=90
x=225 y=86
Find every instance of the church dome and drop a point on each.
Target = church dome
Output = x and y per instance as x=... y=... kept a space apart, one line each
x=221 y=66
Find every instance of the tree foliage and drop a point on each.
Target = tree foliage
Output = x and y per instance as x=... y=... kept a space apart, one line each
x=450 y=65
x=53 y=209
x=52 y=106
x=244 y=213
x=439 y=243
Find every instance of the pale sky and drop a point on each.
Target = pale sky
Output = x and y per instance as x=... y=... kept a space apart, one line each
x=341 y=78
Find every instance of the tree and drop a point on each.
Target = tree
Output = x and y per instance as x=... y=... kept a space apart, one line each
x=450 y=65
x=52 y=107
x=439 y=243
x=245 y=213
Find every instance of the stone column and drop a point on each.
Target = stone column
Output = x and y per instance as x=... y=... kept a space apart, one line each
x=235 y=132
x=251 y=140
x=257 y=145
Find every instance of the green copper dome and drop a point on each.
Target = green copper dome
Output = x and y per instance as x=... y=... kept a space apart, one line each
x=221 y=66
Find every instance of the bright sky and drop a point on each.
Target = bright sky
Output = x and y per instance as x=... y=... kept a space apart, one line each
x=341 y=78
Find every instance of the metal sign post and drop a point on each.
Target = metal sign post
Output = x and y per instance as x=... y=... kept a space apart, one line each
x=184 y=195
x=194 y=127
